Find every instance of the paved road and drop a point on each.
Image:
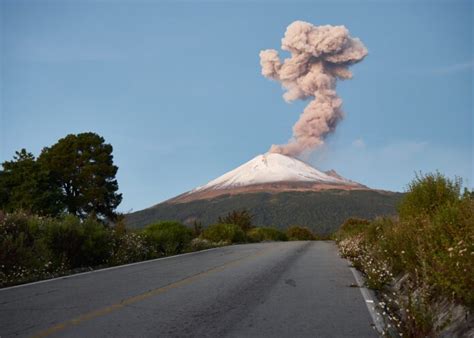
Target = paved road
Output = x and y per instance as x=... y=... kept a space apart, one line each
x=292 y=289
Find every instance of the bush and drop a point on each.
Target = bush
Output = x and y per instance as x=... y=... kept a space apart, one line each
x=129 y=247
x=77 y=243
x=431 y=245
x=426 y=194
x=169 y=238
x=435 y=250
x=298 y=233
x=242 y=218
x=198 y=244
x=261 y=234
x=23 y=252
x=352 y=226
x=229 y=233
x=33 y=247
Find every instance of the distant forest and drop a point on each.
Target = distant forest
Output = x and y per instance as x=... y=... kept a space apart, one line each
x=322 y=211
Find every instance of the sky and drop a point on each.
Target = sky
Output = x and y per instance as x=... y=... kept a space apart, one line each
x=176 y=87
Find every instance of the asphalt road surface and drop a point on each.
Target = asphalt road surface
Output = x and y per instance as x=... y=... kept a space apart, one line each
x=287 y=289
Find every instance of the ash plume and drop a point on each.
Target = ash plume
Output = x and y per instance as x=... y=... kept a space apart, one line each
x=320 y=55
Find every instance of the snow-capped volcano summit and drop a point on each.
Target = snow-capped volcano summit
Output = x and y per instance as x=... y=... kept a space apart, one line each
x=270 y=168
x=270 y=172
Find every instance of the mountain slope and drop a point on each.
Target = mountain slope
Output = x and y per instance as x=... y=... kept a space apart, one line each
x=279 y=191
x=323 y=211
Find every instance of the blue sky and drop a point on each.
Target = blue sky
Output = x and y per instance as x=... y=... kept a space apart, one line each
x=176 y=88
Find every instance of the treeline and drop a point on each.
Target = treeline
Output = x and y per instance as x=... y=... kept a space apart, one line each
x=322 y=211
x=421 y=262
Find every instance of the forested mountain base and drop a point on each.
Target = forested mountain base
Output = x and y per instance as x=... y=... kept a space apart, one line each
x=321 y=211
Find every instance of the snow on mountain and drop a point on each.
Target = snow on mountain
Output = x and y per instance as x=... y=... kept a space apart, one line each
x=270 y=173
x=269 y=168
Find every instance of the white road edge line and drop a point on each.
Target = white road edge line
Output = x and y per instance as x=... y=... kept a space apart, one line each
x=105 y=269
x=369 y=298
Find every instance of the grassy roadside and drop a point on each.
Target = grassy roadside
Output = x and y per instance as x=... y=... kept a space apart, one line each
x=422 y=262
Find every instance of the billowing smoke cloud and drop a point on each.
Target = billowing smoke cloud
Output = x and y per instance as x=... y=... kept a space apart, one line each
x=319 y=56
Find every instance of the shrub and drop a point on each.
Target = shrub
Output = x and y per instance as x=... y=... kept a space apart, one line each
x=198 y=244
x=169 y=238
x=229 y=233
x=33 y=247
x=428 y=193
x=77 y=243
x=431 y=245
x=299 y=233
x=261 y=234
x=352 y=226
x=23 y=253
x=129 y=247
x=242 y=218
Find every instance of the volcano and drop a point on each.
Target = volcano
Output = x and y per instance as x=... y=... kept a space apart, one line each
x=273 y=173
x=279 y=191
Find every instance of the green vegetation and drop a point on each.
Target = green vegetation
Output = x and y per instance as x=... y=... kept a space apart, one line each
x=34 y=247
x=56 y=214
x=169 y=238
x=298 y=233
x=323 y=211
x=428 y=194
x=76 y=176
x=75 y=243
x=227 y=233
x=353 y=226
x=26 y=185
x=262 y=234
x=428 y=250
x=37 y=247
x=54 y=210
x=242 y=218
x=82 y=167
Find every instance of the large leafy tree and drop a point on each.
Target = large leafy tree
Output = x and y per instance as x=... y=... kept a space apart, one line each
x=82 y=167
x=25 y=185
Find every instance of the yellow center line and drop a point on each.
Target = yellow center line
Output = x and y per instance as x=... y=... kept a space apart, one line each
x=134 y=299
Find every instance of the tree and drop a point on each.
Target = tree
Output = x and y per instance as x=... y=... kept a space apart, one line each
x=241 y=218
x=197 y=228
x=468 y=194
x=82 y=167
x=25 y=185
